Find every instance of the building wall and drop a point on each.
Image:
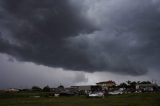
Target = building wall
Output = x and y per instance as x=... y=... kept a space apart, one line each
x=106 y=85
x=85 y=88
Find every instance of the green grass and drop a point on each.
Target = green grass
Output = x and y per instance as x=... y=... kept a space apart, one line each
x=26 y=99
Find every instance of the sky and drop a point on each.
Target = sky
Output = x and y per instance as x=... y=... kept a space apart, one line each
x=78 y=42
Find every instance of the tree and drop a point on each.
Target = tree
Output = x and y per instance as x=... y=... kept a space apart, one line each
x=36 y=88
x=123 y=85
x=133 y=84
x=145 y=82
x=61 y=87
x=47 y=89
x=128 y=82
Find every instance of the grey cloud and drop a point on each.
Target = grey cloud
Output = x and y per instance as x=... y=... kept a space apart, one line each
x=128 y=40
x=58 y=33
x=25 y=75
x=36 y=31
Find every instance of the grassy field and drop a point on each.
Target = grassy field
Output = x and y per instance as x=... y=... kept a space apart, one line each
x=27 y=99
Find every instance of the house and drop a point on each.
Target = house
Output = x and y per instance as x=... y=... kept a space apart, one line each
x=86 y=89
x=107 y=85
x=146 y=87
x=12 y=90
x=59 y=89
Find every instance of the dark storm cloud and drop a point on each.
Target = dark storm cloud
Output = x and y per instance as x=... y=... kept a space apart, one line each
x=35 y=30
x=128 y=41
x=57 y=34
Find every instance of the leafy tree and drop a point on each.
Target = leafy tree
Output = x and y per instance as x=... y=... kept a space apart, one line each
x=133 y=84
x=123 y=85
x=138 y=82
x=46 y=89
x=128 y=82
x=36 y=88
x=61 y=87
x=145 y=82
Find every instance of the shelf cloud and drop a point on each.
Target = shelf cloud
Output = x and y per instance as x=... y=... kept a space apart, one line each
x=118 y=36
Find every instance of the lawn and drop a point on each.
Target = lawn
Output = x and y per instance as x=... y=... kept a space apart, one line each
x=27 y=99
